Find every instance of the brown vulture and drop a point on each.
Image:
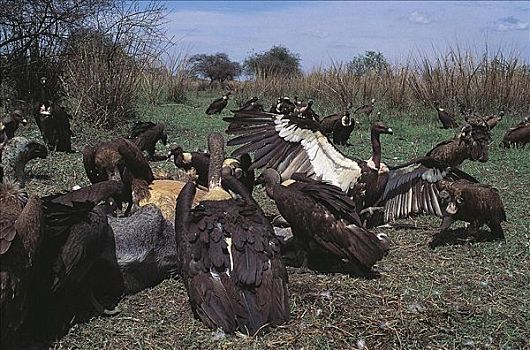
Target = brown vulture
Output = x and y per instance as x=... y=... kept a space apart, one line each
x=12 y=121
x=231 y=264
x=518 y=136
x=76 y=271
x=475 y=203
x=119 y=159
x=493 y=120
x=197 y=164
x=339 y=127
x=251 y=105
x=14 y=156
x=290 y=145
x=324 y=222
x=54 y=123
x=305 y=110
x=366 y=109
x=218 y=105
x=283 y=105
x=20 y=233
x=146 y=134
x=448 y=120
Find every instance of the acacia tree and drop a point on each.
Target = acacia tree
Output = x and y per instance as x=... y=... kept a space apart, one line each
x=278 y=61
x=369 y=61
x=216 y=67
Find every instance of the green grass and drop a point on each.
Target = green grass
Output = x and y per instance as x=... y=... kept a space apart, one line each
x=472 y=296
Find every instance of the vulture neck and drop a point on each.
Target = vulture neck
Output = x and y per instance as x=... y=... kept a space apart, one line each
x=376 y=149
x=215 y=191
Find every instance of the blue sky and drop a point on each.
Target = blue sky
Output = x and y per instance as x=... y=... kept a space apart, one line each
x=322 y=31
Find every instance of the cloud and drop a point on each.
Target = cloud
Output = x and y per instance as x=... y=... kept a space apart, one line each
x=510 y=23
x=419 y=18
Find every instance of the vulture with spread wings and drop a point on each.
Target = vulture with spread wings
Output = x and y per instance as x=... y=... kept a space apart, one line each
x=290 y=145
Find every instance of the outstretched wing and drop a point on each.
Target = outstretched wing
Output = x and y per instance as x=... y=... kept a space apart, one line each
x=135 y=161
x=412 y=188
x=290 y=145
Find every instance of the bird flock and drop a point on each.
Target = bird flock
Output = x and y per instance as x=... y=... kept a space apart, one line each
x=70 y=255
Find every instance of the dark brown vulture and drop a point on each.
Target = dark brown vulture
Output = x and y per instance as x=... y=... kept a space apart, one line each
x=251 y=105
x=283 y=105
x=324 y=222
x=146 y=134
x=339 y=127
x=518 y=136
x=54 y=123
x=475 y=203
x=305 y=110
x=12 y=121
x=197 y=164
x=20 y=232
x=14 y=156
x=120 y=160
x=231 y=264
x=366 y=109
x=448 y=120
x=493 y=120
x=76 y=270
x=290 y=145
x=218 y=105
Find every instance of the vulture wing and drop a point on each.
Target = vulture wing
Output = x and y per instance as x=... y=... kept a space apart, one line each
x=89 y=163
x=412 y=187
x=290 y=145
x=135 y=161
x=140 y=127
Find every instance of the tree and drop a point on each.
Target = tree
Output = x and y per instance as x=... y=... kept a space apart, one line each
x=216 y=67
x=278 y=61
x=369 y=61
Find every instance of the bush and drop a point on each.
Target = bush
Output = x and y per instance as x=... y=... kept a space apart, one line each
x=216 y=67
x=278 y=61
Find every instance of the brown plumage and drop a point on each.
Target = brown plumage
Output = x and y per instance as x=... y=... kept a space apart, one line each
x=230 y=259
x=475 y=203
x=146 y=134
x=14 y=156
x=305 y=110
x=324 y=221
x=77 y=264
x=518 y=136
x=20 y=233
x=339 y=127
x=12 y=121
x=493 y=120
x=54 y=123
x=218 y=105
x=448 y=120
x=119 y=159
x=366 y=109
x=250 y=105
x=283 y=105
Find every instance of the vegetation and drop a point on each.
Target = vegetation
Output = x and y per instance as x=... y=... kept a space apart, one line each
x=369 y=61
x=278 y=62
x=216 y=67
x=469 y=296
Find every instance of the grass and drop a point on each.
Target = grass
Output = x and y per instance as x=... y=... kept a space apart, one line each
x=474 y=296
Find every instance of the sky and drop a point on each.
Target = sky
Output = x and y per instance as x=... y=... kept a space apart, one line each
x=325 y=31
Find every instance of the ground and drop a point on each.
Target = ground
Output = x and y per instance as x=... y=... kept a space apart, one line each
x=464 y=296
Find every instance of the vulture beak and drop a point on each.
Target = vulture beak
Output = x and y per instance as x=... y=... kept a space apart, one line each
x=451 y=208
x=390 y=131
x=24 y=122
x=260 y=180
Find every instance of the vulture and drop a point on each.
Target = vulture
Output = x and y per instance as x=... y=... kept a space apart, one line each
x=3 y=136
x=323 y=220
x=197 y=164
x=367 y=109
x=14 y=156
x=146 y=134
x=251 y=105
x=218 y=105
x=231 y=263
x=54 y=123
x=448 y=120
x=305 y=110
x=21 y=220
x=290 y=144
x=76 y=270
x=493 y=120
x=283 y=105
x=12 y=121
x=518 y=136
x=475 y=203
x=122 y=160
x=339 y=127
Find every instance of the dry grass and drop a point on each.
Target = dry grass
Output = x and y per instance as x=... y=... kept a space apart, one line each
x=471 y=296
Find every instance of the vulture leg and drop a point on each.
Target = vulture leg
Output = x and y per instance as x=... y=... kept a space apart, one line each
x=440 y=237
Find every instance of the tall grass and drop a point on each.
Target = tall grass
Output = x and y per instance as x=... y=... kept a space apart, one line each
x=486 y=83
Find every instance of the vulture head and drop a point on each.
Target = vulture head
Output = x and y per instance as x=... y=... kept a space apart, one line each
x=18 y=116
x=16 y=153
x=269 y=178
x=227 y=95
x=477 y=136
x=381 y=128
x=181 y=158
x=451 y=197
